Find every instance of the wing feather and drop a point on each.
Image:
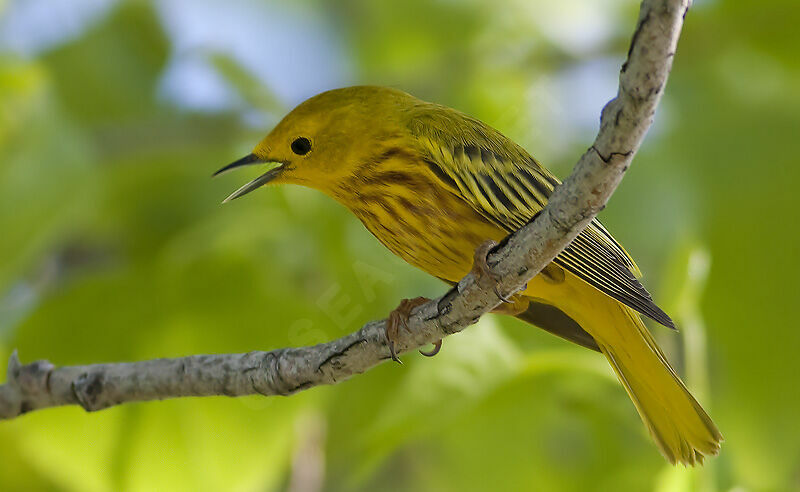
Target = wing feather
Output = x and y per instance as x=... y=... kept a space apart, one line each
x=508 y=187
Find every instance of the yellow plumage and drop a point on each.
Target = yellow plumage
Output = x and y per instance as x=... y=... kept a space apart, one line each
x=432 y=184
x=677 y=422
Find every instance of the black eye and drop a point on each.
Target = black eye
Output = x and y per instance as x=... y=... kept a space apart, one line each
x=301 y=146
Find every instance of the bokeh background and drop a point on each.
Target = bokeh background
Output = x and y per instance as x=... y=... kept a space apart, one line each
x=114 y=245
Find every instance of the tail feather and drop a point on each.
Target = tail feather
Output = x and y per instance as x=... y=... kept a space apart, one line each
x=682 y=429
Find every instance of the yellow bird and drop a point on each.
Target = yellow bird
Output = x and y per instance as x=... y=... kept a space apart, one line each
x=433 y=185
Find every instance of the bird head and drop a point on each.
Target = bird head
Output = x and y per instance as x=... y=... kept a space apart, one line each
x=320 y=141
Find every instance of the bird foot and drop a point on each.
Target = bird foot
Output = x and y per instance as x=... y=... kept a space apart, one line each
x=437 y=346
x=399 y=318
x=481 y=269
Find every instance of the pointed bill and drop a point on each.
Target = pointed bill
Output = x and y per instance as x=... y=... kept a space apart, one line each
x=256 y=183
x=247 y=160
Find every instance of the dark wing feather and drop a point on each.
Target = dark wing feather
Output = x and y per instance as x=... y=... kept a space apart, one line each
x=508 y=187
x=554 y=320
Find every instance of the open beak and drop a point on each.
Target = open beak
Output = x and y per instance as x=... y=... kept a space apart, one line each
x=265 y=178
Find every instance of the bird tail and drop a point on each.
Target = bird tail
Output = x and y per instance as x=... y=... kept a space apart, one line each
x=677 y=422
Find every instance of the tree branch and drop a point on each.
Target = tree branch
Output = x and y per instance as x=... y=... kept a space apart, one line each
x=623 y=124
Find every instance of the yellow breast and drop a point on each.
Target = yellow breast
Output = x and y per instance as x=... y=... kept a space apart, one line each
x=404 y=205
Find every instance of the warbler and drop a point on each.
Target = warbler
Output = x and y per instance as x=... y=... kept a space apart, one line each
x=433 y=185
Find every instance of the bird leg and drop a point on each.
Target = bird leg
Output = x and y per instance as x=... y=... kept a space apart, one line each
x=481 y=269
x=399 y=318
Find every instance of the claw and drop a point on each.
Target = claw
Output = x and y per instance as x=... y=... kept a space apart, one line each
x=437 y=346
x=502 y=297
x=481 y=268
x=479 y=265
x=399 y=317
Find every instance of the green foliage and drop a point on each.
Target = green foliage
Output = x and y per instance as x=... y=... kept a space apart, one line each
x=114 y=247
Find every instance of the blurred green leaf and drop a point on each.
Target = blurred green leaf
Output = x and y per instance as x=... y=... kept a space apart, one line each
x=254 y=92
x=109 y=74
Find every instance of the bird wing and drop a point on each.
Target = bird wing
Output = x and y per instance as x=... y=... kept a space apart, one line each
x=508 y=187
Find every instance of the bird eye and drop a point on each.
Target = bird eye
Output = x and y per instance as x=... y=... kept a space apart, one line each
x=301 y=146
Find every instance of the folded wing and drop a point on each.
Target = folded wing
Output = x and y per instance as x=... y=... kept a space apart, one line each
x=508 y=187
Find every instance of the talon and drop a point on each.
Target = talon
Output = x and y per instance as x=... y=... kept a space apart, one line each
x=397 y=318
x=480 y=267
x=503 y=298
x=437 y=346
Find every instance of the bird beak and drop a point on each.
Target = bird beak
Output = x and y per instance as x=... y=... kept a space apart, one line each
x=265 y=178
